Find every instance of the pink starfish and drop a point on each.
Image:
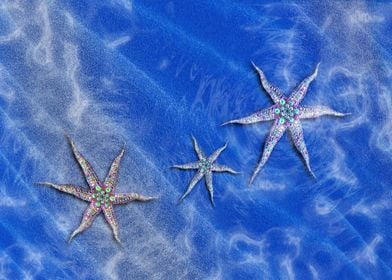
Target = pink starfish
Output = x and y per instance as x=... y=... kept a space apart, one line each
x=101 y=196
x=286 y=113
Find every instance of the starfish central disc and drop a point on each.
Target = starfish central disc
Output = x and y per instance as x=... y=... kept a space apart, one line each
x=285 y=111
x=205 y=165
x=102 y=196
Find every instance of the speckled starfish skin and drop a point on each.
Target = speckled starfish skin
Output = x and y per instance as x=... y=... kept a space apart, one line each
x=101 y=195
x=286 y=113
x=204 y=166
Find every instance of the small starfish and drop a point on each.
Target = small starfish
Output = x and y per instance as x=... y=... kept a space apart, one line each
x=286 y=113
x=101 y=196
x=205 y=166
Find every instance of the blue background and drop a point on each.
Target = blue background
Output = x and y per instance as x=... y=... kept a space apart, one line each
x=151 y=74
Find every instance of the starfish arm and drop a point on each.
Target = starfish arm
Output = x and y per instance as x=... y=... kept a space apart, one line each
x=317 y=111
x=297 y=135
x=111 y=219
x=259 y=116
x=216 y=154
x=199 y=152
x=70 y=189
x=223 y=168
x=88 y=217
x=192 y=184
x=210 y=187
x=276 y=133
x=192 y=165
x=88 y=171
x=112 y=177
x=273 y=91
x=300 y=92
x=123 y=198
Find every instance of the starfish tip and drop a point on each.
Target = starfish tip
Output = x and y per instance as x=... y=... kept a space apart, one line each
x=317 y=68
x=254 y=65
x=44 y=184
x=66 y=134
x=68 y=137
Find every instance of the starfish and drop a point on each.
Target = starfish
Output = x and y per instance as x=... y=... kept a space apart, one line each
x=204 y=166
x=101 y=196
x=286 y=113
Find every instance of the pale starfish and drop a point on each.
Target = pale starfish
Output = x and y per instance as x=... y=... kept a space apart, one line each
x=286 y=113
x=205 y=166
x=101 y=195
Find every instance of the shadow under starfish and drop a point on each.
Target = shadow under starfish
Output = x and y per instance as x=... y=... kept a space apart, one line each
x=286 y=113
x=102 y=195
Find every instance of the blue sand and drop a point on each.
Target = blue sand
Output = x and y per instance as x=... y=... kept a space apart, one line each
x=152 y=73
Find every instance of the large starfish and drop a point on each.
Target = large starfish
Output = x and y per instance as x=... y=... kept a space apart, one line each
x=101 y=195
x=205 y=166
x=286 y=113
